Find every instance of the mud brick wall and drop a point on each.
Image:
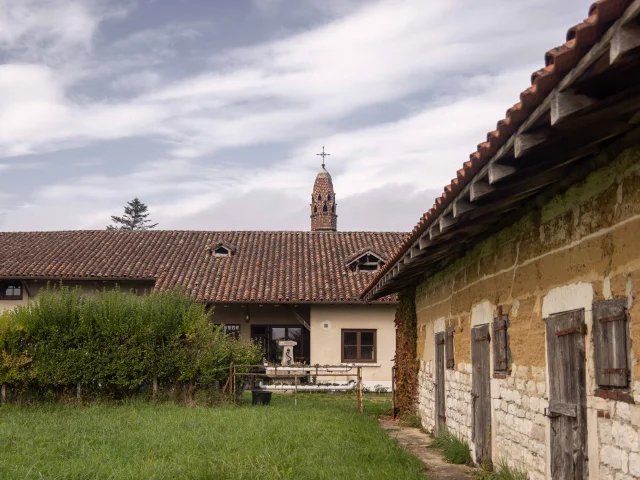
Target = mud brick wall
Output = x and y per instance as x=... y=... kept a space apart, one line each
x=581 y=247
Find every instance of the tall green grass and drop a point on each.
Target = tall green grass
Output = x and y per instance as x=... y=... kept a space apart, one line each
x=501 y=472
x=322 y=437
x=454 y=448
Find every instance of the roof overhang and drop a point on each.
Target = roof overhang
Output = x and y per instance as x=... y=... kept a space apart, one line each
x=597 y=102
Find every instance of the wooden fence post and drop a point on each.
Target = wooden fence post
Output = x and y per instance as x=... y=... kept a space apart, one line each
x=78 y=391
x=155 y=386
x=3 y=393
x=360 y=393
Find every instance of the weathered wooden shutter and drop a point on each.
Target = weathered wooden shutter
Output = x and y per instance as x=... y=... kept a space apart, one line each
x=501 y=355
x=449 y=348
x=610 y=343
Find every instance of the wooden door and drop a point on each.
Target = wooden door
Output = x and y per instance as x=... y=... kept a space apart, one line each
x=567 y=395
x=481 y=393
x=441 y=419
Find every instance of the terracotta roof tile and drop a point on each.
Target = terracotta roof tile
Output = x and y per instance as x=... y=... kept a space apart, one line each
x=265 y=266
x=558 y=62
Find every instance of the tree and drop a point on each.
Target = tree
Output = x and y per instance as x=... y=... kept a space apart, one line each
x=134 y=218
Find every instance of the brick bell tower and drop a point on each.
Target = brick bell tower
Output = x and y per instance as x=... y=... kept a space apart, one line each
x=323 y=202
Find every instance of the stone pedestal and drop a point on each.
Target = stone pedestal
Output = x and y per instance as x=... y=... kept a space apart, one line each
x=287 y=351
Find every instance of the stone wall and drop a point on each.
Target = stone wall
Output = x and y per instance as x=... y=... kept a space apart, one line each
x=582 y=246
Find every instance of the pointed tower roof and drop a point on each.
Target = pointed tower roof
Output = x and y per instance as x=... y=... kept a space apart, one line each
x=323 y=203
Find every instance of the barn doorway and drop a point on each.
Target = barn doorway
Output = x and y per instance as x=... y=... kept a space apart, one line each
x=441 y=418
x=481 y=393
x=567 y=395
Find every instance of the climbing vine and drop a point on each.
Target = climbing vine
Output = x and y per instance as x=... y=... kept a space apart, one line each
x=406 y=359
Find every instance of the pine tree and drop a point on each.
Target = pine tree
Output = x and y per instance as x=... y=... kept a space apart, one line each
x=134 y=218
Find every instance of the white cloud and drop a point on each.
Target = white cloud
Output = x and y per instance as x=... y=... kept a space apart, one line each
x=459 y=65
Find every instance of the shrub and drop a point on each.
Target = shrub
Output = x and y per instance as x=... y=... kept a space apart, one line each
x=411 y=420
x=115 y=344
x=454 y=448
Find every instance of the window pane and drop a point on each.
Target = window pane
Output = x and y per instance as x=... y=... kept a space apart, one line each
x=350 y=353
x=278 y=333
x=295 y=334
x=366 y=338
x=350 y=338
x=366 y=353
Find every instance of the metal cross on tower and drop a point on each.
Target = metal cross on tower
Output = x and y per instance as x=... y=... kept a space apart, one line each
x=323 y=155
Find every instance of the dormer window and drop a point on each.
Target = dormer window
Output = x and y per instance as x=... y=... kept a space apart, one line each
x=221 y=249
x=366 y=261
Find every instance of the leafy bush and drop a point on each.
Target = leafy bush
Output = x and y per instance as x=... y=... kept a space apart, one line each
x=115 y=344
x=454 y=448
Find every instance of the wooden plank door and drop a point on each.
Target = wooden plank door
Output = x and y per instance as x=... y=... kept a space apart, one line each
x=567 y=395
x=481 y=392
x=441 y=419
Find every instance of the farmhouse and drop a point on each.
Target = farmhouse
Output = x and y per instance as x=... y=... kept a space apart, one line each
x=268 y=285
x=525 y=274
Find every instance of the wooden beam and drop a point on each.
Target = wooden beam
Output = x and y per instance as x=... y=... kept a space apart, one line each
x=298 y=317
x=624 y=40
x=460 y=207
x=497 y=172
x=424 y=242
x=415 y=250
x=526 y=142
x=566 y=103
x=434 y=231
x=479 y=189
x=446 y=221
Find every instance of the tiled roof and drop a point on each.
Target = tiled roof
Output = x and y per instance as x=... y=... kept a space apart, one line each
x=295 y=267
x=559 y=62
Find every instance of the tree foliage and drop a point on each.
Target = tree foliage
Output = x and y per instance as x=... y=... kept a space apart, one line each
x=134 y=218
x=114 y=344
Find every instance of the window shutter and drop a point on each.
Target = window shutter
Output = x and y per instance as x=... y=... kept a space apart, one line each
x=449 y=348
x=610 y=343
x=500 y=344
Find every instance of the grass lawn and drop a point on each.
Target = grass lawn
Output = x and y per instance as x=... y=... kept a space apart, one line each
x=322 y=437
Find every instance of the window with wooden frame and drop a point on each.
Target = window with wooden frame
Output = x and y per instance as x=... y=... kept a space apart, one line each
x=230 y=329
x=11 y=290
x=359 y=346
x=611 y=343
x=448 y=349
x=501 y=349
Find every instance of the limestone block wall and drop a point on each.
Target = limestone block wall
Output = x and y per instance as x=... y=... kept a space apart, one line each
x=426 y=396
x=581 y=247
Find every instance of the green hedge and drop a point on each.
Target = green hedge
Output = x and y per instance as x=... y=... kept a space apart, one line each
x=114 y=344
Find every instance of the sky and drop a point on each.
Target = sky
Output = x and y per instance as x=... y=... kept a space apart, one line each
x=212 y=111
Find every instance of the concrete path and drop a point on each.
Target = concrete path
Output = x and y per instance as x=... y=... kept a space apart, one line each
x=417 y=442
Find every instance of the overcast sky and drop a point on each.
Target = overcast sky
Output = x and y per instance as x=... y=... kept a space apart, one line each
x=212 y=111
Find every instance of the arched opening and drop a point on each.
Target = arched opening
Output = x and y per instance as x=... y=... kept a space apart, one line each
x=333 y=208
x=324 y=208
x=315 y=209
x=319 y=197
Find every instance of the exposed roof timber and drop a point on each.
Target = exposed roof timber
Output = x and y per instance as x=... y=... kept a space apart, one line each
x=527 y=144
x=434 y=231
x=565 y=104
x=424 y=242
x=460 y=207
x=624 y=40
x=479 y=189
x=498 y=172
x=447 y=221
